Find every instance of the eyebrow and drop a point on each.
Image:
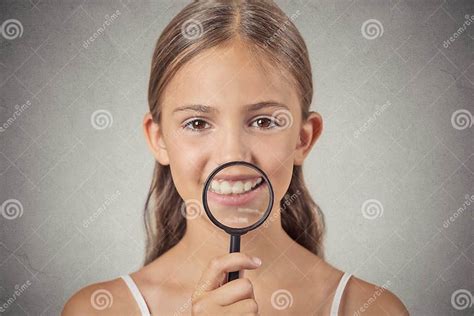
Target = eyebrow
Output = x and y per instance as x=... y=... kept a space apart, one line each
x=250 y=107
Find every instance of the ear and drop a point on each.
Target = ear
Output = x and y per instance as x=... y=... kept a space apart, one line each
x=155 y=140
x=309 y=133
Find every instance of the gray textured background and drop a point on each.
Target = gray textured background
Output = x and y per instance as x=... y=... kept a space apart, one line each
x=415 y=156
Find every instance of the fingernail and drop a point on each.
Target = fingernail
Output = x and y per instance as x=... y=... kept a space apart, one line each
x=257 y=261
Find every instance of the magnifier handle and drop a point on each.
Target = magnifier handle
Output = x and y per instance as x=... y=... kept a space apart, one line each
x=234 y=275
x=234 y=247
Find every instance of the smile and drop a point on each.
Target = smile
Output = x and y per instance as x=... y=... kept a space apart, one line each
x=234 y=187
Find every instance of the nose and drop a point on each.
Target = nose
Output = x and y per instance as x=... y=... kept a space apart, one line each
x=231 y=145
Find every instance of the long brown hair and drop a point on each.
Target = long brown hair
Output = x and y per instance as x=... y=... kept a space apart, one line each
x=268 y=32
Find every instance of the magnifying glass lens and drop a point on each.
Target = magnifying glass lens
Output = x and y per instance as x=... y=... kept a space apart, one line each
x=238 y=196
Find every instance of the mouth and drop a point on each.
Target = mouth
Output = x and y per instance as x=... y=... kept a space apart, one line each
x=230 y=187
x=235 y=193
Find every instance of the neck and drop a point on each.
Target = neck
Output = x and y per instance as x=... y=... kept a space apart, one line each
x=204 y=241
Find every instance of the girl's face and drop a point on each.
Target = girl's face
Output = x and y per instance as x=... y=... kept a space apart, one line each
x=223 y=106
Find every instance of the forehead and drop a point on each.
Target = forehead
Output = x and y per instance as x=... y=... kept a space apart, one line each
x=230 y=75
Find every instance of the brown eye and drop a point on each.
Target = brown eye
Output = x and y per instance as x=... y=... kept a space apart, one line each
x=265 y=123
x=196 y=125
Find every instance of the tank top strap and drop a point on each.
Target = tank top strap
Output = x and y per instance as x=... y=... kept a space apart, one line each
x=136 y=294
x=338 y=295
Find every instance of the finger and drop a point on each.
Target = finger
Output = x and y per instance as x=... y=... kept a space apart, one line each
x=247 y=306
x=232 y=292
x=218 y=267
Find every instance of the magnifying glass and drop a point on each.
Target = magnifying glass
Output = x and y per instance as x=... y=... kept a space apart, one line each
x=237 y=197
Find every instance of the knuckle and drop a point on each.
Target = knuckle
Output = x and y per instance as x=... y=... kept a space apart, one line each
x=215 y=263
x=253 y=306
x=197 y=308
x=197 y=298
x=194 y=298
x=247 y=284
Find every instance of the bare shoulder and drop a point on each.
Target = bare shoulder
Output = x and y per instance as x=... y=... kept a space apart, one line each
x=107 y=298
x=361 y=297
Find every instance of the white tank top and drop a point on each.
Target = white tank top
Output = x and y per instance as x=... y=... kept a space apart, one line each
x=146 y=312
x=136 y=295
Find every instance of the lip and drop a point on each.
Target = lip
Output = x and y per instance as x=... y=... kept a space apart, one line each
x=235 y=199
x=236 y=178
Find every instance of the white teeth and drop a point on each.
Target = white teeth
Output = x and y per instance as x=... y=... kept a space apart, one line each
x=235 y=187
x=238 y=187
x=247 y=185
x=214 y=185
x=225 y=187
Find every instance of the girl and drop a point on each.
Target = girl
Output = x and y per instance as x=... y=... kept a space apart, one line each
x=231 y=80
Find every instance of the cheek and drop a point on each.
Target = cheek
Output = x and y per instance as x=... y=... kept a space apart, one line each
x=277 y=151
x=280 y=177
x=276 y=158
x=186 y=162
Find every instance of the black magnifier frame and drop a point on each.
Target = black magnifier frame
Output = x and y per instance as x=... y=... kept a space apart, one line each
x=235 y=233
